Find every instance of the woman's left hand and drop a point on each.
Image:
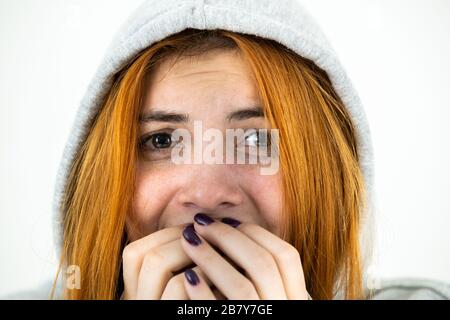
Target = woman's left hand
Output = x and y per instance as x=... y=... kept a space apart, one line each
x=273 y=269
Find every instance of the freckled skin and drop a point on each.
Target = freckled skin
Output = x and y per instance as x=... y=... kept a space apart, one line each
x=207 y=88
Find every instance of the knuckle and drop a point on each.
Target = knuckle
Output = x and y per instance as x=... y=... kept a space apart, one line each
x=245 y=289
x=152 y=258
x=264 y=260
x=288 y=253
x=129 y=254
x=175 y=283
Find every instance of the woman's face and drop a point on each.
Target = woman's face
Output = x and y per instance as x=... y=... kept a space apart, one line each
x=218 y=90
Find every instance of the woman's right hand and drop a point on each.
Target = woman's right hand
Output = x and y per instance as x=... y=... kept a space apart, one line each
x=150 y=266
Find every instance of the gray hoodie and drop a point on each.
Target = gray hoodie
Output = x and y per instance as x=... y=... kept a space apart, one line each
x=284 y=21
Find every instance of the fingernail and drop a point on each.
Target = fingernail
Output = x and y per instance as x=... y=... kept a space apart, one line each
x=232 y=222
x=191 y=277
x=203 y=219
x=191 y=236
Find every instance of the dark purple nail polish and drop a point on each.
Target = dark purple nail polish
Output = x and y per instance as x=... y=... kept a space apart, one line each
x=203 y=219
x=191 y=236
x=232 y=222
x=191 y=277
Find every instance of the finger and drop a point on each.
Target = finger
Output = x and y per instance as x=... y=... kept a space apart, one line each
x=224 y=276
x=134 y=253
x=286 y=256
x=196 y=286
x=175 y=288
x=219 y=295
x=158 y=266
x=258 y=263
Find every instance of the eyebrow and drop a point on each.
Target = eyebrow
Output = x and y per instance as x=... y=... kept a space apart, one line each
x=247 y=113
x=164 y=116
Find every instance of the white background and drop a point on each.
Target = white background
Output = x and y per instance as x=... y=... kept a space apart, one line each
x=396 y=53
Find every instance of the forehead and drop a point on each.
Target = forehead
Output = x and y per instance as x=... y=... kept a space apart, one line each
x=220 y=61
x=219 y=78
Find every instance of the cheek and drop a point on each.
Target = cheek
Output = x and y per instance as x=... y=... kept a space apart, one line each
x=266 y=192
x=152 y=193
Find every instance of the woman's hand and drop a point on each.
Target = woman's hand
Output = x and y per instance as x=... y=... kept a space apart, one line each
x=272 y=266
x=149 y=265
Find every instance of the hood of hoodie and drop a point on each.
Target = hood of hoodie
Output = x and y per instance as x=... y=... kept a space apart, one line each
x=284 y=21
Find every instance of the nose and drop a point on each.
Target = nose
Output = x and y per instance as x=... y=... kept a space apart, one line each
x=211 y=189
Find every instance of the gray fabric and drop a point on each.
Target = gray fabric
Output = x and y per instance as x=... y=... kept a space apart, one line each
x=411 y=289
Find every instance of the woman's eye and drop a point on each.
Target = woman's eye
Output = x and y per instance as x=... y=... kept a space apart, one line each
x=156 y=141
x=157 y=146
x=161 y=140
x=257 y=138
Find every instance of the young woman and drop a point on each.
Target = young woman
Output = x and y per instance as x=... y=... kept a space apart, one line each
x=134 y=224
x=147 y=208
x=139 y=226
